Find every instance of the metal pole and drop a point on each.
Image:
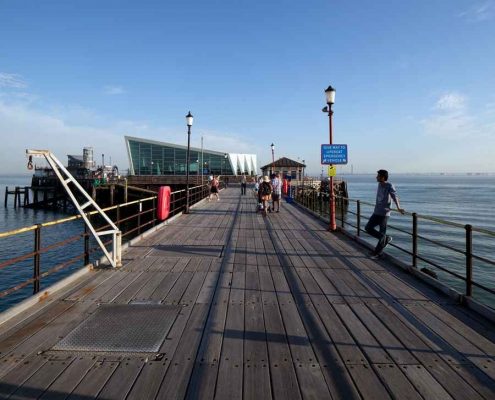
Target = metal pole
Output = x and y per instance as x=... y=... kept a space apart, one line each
x=415 y=240
x=187 y=167
x=332 y=225
x=202 y=163
x=273 y=160
x=469 y=260
x=37 y=255
x=86 y=245
x=358 y=216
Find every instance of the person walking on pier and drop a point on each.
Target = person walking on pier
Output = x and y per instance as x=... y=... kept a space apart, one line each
x=243 y=184
x=215 y=183
x=384 y=195
x=265 y=192
x=277 y=192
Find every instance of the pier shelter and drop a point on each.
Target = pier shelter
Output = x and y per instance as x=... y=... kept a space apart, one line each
x=223 y=303
x=285 y=167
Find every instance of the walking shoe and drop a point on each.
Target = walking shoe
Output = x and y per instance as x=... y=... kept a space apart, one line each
x=375 y=256
x=388 y=240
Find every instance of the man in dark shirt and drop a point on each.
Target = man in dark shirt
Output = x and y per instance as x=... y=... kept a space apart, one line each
x=384 y=196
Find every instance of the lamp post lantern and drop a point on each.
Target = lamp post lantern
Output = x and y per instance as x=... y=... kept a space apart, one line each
x=330 y=97
x=189 y=121
x=273 y=158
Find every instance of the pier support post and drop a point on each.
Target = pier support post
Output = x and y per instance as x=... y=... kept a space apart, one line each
x=469 y=260
x=6 y=196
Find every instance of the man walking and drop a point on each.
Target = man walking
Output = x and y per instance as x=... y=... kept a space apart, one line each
x=243 y=184
x=384 y=194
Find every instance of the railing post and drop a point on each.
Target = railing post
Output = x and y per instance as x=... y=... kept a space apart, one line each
x=153 y=214
x=342 y=211
x=86 y=245
x=140 y=208
x=469 y=260
x=118 y=217
x=37 y=255
x=415 y=240
x=358 y=217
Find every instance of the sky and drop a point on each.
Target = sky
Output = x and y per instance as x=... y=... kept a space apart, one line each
x=414 y=80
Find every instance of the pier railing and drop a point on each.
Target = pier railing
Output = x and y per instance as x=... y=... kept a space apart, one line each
x=455 y=253
x=76 y=247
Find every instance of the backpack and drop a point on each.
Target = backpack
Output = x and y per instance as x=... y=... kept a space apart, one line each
x=265 y=189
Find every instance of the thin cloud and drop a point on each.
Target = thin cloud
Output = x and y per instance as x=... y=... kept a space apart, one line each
x=450 y=102
x=480 y=12
x=452 y=119
x=12 y=81
x=113 y=90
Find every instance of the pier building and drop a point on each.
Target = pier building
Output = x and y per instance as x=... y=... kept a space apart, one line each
x=151 y=157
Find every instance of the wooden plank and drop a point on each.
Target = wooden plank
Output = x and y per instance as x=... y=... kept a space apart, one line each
x=122 y=380
x=94 y=380
x=387 y=340
x=17 y=376
x=176 y=380
x=230 y=372
x=36 y=385
x=256 y=371
x=118 y=287
x=368 y=383
x=69 y=379
x=14 y=337
x=148 y=382
x=425 y=383
x=368 y=344
x=396 y=382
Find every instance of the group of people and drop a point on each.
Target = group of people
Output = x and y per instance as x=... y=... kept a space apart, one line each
x=270 y=190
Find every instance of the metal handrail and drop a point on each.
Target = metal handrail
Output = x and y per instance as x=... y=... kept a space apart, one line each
x=467 y=252
x=144 y=218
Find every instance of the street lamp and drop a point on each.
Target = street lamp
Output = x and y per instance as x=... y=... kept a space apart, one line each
x=330 y=96
x=273 y=157
x=189 y=121
x=303 y=180
x=224 y=163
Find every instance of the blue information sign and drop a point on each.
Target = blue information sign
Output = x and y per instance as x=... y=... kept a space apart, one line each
x=334 y=154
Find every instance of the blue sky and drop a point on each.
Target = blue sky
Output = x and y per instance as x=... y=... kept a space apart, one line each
x=414 y=80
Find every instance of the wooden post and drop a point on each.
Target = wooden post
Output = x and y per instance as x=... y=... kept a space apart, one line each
x=6 y=196
x=26 y=195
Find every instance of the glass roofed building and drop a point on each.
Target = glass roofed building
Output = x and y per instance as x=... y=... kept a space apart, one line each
x=150 y=157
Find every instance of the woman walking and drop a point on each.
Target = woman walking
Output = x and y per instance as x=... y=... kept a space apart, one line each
x=265 y=192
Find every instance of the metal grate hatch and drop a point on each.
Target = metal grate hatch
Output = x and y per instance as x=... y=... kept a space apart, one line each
x=124 y=328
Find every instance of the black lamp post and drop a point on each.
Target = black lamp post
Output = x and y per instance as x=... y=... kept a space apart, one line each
x=273 y=158
x=303 y=180
x=189 y=121
x=225 y=163
x=330 y=96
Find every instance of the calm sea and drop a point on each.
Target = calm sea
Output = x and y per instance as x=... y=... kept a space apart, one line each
x=461 y=199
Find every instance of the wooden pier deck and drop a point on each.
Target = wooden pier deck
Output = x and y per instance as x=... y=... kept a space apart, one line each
x=258 y=308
